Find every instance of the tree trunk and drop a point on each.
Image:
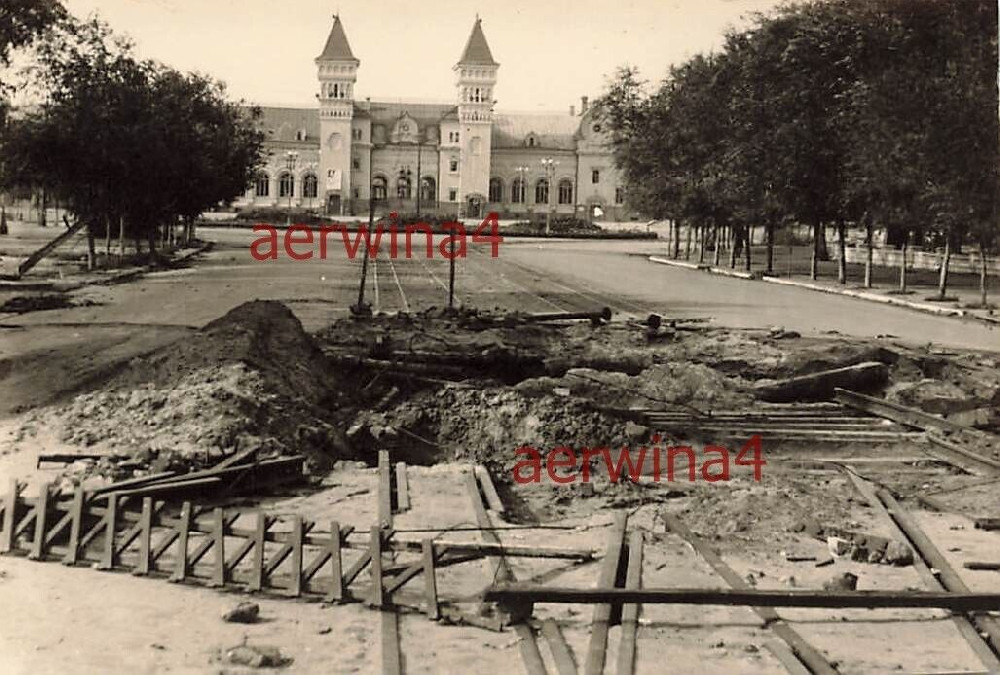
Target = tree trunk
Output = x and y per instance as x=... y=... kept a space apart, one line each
x=982 y=276
x=701 y=243
x=41 y=208
x=842 y=252
x=748 y=239
x=91 y=253
x=769 y=235
x=718 y=245
x=687 y=243
x=192 y=234
x=677 y=240
x=121 y=238
x=824 y=254
x=107 y=239
x=902 y=266
x=814 y=262
x=869 y=235
x=945 y=262
x=734 y=250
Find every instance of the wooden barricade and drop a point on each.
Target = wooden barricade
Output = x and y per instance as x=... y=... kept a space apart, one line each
x=251 y=551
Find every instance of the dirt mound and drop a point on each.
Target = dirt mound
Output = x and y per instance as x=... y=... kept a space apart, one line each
x=659 y=386
x=253 y=377
x=488 y=425
x=262 y=334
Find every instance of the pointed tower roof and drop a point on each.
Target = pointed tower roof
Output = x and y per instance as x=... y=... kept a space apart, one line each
x=337 y=47
x=477 y=51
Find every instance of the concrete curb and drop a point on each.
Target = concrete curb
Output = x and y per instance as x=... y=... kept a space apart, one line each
x=861 y=295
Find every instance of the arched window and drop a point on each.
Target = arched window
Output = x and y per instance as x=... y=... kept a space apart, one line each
x=428 y=189
x=309 y=186
x=565 y=191
x=542 y=191
x=517 y=191
x=496 y=190
x=286 y=185
x=263 y=187
x=403 y=187
x=379 y=187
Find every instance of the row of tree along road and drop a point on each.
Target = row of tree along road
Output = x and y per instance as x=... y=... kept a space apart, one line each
x=874 y=114
x=130 y=147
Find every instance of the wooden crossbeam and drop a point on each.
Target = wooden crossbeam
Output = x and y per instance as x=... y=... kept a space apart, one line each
x=561 y=653
x=41 y=520
x=7 y=538
x=805 y=652
x=597 y=647
x=630 y=612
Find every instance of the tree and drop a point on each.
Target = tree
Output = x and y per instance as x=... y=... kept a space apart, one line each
x=128 y=142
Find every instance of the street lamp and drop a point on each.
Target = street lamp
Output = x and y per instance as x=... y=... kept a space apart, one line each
x=549 y=166
x=521 y=171
x=291 y=159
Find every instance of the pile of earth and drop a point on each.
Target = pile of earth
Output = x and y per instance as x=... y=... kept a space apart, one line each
x=253 y=377
x=486 y=425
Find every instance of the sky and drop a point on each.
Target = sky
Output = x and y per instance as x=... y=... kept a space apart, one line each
x=551 y=52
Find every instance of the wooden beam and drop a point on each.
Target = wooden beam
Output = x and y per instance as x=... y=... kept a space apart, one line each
x=384 y=489
x=336 y=592
x=561 y=653
x=7 y=539
x=41 y=522
x=597 y=648
x=402 y=487
x=630 y=612
x=528 y=646
x=219 y=545
x=257 y=565
x=110 y=557
x=502 y=572
x=298 y=529
x=430 y=580
x=489 y=489
x=181 y=563
x=805 y=652
x=900 y=414
x=756 y=597
x=76 y=510
x=145 y=532
x=392 y=659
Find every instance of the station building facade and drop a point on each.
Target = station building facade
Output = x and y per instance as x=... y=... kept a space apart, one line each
x=462 y=157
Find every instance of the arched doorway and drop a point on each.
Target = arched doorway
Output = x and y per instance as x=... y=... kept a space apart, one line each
x=474 y=205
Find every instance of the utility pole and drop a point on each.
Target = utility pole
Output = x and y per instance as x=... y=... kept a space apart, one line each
x=291 y=158
x=549 y=165
x=420 y=181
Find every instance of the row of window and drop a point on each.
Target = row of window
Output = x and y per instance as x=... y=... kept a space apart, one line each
x=286 y=185
x=380 y=189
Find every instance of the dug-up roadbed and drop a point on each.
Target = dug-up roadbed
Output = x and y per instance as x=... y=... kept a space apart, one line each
x=444 y=392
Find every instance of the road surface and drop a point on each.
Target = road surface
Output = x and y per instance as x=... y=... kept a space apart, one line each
x=51 y=352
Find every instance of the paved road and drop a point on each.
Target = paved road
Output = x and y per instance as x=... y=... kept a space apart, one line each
x=45 y=353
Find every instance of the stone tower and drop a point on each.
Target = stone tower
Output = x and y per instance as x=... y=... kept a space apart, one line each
x=337 y=70
x=475 y=79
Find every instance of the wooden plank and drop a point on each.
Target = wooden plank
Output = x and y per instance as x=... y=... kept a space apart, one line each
x=597 y=647
x=392 y=660
x=561 y=653
x=76 y=511
x=145 y=532
x=110 y=558
x=756 y=597
x=41 y=522
x=162 y=545
x=528 y=646
x=7 y=539
x=219 y=545
x=502 y=572
x=384 y=489
x=287 y=549
x=430 y=581
x=402 y=487
x=256 y=582
x=489 y=489
x=181 y=563
x=946 y=574
x=900 y=414
x=336 y=593
x=404 y=576
x=805 y=652
x=377 y=599
x=981 y=464
x=133 y=532
x=630 y=612
x=296 y=571
x=787 y=657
